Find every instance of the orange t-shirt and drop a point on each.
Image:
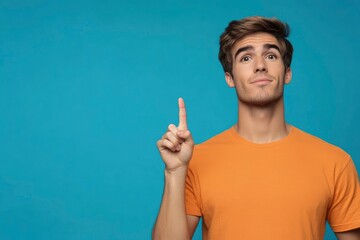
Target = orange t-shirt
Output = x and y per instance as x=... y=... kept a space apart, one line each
x=285 y=189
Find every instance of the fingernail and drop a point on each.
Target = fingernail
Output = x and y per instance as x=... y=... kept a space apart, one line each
x=178 y=148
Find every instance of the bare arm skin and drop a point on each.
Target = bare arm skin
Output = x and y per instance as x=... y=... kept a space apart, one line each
x=176 y=148
x=349 y=235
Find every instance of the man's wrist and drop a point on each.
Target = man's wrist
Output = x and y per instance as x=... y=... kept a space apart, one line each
x=178 y=173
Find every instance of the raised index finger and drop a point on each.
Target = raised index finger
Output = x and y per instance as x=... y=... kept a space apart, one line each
x=182 y=115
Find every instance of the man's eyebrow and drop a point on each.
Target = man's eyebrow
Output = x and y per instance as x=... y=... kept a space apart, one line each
x=267 y=46
x=243 y=49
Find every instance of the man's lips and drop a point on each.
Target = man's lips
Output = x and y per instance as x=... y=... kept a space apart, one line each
x=261 y=80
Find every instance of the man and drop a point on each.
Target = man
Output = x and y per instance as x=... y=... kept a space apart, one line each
x=262 y=178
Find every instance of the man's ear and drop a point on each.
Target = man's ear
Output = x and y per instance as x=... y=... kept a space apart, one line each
x=288 y=75
x=229 y=80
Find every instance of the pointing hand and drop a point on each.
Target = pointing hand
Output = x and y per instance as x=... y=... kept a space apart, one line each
x=176 y=145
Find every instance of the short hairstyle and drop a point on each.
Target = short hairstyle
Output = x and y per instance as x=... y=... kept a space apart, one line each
x=238 y=29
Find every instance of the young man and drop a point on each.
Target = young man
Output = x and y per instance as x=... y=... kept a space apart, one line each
x=262 y=178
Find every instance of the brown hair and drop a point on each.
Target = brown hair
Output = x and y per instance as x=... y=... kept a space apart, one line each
x=238 y=29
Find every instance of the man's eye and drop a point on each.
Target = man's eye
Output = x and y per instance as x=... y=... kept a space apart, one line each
x=245 y=59
x=272 y=56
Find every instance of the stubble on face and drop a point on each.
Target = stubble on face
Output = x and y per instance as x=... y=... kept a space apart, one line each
x=262 y=97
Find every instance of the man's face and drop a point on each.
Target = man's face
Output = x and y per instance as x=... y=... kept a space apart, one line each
x=258 y=70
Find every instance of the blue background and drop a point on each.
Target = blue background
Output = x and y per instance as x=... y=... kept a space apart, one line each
x=88 y=87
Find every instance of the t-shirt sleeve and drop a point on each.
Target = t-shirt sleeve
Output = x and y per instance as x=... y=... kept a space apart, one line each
x=344 y=212
x=192 y=205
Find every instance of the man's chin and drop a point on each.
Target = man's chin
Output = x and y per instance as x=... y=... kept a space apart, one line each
x=261 y=102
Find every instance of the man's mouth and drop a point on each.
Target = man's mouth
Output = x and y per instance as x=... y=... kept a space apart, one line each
x=261 y=81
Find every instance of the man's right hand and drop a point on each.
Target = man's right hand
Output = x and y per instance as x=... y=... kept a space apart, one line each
x=176 y=145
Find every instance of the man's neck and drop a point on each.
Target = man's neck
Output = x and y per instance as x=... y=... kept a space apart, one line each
x=262 y=124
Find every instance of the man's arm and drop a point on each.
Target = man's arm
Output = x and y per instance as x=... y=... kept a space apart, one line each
x=172 y=221
x=349 y=235
x=192 y=223
x=176 y=148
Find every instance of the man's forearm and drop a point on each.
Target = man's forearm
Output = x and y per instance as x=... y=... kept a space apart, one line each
x=349 y=235
x=171 y=222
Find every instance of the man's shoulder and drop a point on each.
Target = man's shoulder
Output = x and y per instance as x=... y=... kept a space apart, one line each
x=219 y=138
x=320 y=145
x=209 y=150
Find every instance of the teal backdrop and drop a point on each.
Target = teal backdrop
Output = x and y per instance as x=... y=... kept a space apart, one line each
x=88 y=87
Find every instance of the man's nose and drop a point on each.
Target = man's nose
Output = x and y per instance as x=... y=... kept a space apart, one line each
x=260 y=65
